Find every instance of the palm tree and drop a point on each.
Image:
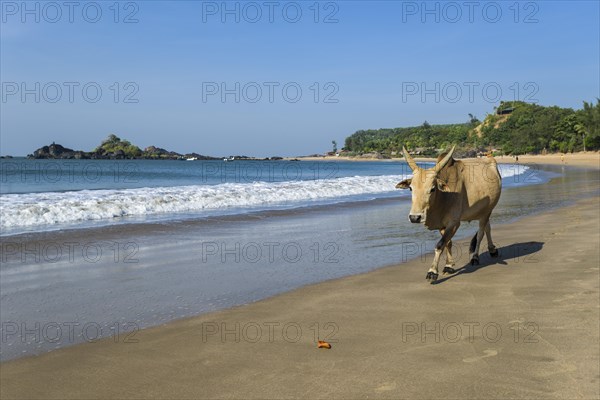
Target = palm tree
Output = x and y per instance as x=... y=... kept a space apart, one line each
x=579 y=128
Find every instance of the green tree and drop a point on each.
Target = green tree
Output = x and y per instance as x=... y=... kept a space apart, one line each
x=529 y=128
x=589 y=118
x=113 y=144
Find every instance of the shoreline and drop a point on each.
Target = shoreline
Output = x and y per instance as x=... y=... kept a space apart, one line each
x=373 y=321
x=384 y=189
x=519 y=253
x=379 y=247
x=588 y=159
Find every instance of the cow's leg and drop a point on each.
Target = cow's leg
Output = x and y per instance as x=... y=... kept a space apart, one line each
x=488 y=233
x=432 y=274
x=449 y=268
x=476 y=241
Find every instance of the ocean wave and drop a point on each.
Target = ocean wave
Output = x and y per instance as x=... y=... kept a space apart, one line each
x=51 y=208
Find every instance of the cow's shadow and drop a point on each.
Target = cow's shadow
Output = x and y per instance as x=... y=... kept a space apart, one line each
x=520 y=253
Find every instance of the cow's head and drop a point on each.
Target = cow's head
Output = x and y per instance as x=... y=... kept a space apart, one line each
x=424 y=185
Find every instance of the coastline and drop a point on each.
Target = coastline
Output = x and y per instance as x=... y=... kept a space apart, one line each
x=311 y=200
x=588 y=159
x=372 y=316
x=542 y=295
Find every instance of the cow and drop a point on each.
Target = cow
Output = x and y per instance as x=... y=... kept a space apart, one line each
x=448 y=193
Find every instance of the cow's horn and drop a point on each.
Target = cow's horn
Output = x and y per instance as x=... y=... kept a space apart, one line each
x=411 y=163
x=444 y=161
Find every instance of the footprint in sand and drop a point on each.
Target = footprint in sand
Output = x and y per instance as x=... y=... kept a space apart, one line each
x=386 y=387
x=565 y=298
x=487 y=353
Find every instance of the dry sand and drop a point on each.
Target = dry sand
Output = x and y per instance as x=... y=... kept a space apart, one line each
x=525 y=325
x=588 y=159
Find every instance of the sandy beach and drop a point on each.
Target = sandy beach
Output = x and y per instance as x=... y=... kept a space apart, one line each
x=525 y=325
x=588 y=159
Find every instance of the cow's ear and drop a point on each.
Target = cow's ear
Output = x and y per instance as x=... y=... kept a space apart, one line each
x=405 y=184
x=441 y=185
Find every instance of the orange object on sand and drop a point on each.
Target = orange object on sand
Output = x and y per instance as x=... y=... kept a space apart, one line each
x=323 y=345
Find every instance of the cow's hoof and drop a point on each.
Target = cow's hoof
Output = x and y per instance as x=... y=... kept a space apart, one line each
x=431 y=277
x=494 y=253
x=448 y=270
x=475 y=260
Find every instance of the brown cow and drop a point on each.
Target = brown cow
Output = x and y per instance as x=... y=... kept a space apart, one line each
x=448 y=193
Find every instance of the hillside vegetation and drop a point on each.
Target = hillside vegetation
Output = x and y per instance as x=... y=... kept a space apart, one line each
x=114 y=145
x=514 y=128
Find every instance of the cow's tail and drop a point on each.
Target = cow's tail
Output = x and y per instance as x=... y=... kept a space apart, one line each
x=473 y=244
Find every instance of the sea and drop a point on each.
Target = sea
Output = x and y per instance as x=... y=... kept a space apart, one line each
x=42 y=195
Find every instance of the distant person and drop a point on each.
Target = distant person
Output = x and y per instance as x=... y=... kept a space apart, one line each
x=562 y=158
x=517 y=158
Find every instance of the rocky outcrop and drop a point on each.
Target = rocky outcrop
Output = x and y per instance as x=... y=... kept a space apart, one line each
x=113 y=148
x=157 y=153
x=59 y=152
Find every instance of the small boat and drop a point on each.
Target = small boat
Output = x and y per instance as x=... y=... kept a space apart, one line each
x=192 y=159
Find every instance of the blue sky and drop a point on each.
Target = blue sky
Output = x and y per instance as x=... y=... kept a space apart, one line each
x=370 y=61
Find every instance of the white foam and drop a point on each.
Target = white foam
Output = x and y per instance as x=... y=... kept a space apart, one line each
x=36 y=209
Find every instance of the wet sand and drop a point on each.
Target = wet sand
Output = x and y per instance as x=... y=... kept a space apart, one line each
x=525 y=325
